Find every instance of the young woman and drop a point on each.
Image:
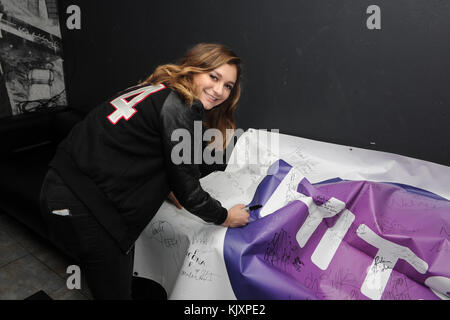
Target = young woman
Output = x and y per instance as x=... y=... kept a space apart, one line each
x=113 y=171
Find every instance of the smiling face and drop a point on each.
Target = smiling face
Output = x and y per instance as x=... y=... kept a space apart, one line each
x=215 y=86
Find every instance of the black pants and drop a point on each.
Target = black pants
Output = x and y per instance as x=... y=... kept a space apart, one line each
x=75 y=230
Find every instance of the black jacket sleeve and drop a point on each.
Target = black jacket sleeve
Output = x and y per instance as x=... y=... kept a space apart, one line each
x=184 y=177
x=206 y=169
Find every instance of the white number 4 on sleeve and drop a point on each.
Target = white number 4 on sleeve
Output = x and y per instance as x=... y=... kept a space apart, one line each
x=124 y=108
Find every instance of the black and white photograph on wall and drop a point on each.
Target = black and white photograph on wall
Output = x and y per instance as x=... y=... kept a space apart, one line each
x=31 y=64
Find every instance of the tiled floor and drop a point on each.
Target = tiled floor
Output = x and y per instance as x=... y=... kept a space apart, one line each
x=29 y=264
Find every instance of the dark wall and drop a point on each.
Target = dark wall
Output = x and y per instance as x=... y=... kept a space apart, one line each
x=312 y=68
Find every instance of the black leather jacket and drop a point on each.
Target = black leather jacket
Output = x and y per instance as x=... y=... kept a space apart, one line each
x=118 y=161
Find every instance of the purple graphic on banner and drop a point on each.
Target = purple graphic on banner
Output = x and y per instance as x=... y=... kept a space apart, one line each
x=342 y=240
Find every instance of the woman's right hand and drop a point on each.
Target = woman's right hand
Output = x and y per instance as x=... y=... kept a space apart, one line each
x=237 y=216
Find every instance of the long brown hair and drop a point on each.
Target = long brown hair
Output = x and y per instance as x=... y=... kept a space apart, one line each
x=203 y=57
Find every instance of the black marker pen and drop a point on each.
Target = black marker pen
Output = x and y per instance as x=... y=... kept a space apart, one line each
x=254 y=207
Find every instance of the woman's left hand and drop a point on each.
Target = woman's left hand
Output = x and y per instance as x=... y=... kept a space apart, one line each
x=174 y=200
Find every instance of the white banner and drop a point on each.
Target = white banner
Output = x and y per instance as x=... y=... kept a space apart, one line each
x=186 y=255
